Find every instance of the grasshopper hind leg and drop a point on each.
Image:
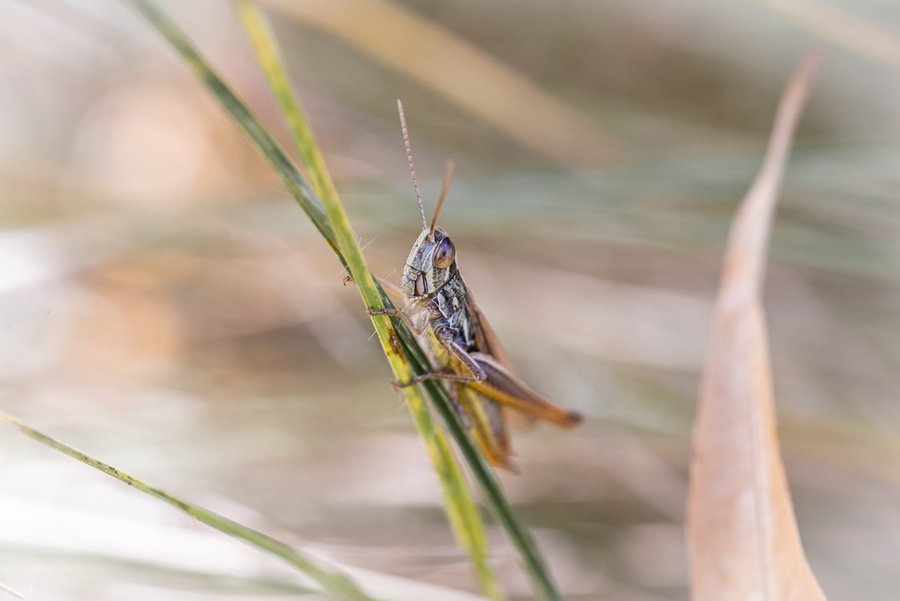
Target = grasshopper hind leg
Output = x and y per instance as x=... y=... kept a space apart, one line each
x=485 y=421
x=501 y=386
x=458 y=406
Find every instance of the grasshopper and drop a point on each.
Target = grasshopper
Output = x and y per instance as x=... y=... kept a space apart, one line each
x=464 y=351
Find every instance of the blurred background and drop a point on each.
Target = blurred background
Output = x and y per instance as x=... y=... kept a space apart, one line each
x=166 y=307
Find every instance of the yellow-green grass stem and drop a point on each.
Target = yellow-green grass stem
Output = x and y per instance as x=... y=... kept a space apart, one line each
x=464 y=516
x=336 y=584
x=523 y=542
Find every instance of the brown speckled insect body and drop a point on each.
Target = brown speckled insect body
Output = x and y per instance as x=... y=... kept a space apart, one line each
x=464 y=350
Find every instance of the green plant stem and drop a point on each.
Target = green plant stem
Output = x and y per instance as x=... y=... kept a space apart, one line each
x=531 y=557
x=243 y=117
x=333 y=582
x=461 y=509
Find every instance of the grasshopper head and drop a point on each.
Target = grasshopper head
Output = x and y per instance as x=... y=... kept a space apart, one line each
x=432 y=260
x=431 y=263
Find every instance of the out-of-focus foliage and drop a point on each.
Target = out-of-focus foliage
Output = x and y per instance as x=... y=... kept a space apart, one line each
x=167 y=308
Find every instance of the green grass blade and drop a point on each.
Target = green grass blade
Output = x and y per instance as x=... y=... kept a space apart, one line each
x=530 y=554
x=463 y=513
x=266 y=49
x=241 y=115
x=336 y=584
x=531 y=557
x=461 y=509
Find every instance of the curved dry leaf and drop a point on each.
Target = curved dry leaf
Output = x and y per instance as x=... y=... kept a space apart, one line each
x=453 y=67
x=742 y=535
x=841 y=28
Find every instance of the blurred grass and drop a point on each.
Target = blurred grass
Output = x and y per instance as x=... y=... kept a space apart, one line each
x=11 y=592
x=841 y=28
x=455 y=69
x=104 y=252
x=336 y=584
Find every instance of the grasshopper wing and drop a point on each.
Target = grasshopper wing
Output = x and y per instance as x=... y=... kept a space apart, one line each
x=487 y=404
x=499 y=364
x=502 y=386
x=487 y=424
x=486 y=340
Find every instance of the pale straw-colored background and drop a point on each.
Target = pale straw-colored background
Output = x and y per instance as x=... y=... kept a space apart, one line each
x=166 y=307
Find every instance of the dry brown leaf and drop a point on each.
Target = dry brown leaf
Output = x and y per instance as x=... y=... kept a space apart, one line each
x=742 y=535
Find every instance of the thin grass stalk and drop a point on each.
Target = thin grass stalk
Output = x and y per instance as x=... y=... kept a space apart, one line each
x=244 y=118
x=463 y=514
x=333 y=582
x=530 y=554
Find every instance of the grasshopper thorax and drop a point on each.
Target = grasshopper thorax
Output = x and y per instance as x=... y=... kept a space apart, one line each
x=431 y=264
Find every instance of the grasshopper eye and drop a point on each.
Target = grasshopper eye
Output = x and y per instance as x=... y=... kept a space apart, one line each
x=444 y=255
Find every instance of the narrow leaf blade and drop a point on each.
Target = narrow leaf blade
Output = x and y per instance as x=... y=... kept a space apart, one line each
x=336 y=584
x=461 y=509
x=241 y=115
x=531 y=556
x=434 y=56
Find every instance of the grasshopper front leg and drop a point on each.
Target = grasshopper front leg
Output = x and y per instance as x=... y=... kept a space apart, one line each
x=415 y=315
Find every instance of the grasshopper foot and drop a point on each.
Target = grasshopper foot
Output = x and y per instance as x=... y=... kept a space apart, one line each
x=421 y=378
x=435 y=375
x=416 y=380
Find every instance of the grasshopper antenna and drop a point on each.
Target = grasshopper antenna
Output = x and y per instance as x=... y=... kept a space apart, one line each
x=448 y=175
x=412 y=167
